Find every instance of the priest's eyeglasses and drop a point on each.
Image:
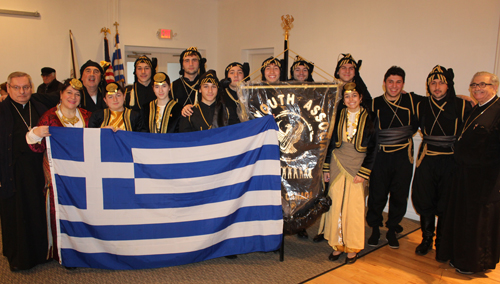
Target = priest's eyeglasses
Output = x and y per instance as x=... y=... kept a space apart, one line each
x=480 y=85
x=17 y=88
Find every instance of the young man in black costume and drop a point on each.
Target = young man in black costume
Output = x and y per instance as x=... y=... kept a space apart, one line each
x=440 y=116
x=396 y=122
x=141 y=92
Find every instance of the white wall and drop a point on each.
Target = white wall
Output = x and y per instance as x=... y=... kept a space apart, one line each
x=415 y=35
x=28 y=44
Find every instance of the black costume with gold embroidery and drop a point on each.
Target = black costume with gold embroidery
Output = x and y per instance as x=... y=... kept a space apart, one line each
x=201 y=119
x=439 y=123
x=396 y=122
x=231 y=100
x=364 y=141
x=169 y=121
x=141 y=95
x=132 y=119
x=184 y=91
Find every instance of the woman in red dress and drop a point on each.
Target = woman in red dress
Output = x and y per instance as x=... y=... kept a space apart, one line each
x=65 y=114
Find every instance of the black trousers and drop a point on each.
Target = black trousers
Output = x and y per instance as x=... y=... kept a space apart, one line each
x=390 y=177
x=432 y=184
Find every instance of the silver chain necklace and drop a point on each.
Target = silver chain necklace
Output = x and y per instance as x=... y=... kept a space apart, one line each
x=29 y=127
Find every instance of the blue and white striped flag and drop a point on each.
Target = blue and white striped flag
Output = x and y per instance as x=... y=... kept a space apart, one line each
x=129 y=200
x=118 y=62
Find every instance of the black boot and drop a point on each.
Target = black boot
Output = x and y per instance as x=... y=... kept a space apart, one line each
x=373 y=240
x=392 y=239
x=427 y=226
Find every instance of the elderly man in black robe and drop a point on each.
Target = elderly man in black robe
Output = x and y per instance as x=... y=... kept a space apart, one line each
x=471 y=239
x=22 y=203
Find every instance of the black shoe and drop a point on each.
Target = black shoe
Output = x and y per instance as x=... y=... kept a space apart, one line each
x=319 y=238
x=463 y=271
x=391 y=239
x=14 y=268
x=302 y=234
x=70 y=268
x=424 y=247
x=373 y=240
x=351 y=260
x=234 y=256
x=333 y=257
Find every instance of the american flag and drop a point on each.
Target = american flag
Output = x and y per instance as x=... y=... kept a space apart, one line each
x=130 y=200
x=118 y=62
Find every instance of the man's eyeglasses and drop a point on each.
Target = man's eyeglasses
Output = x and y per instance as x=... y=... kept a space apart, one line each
x=17 y=88
x=480 y=85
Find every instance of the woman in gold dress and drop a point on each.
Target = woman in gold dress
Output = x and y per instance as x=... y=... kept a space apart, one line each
x=348 y=164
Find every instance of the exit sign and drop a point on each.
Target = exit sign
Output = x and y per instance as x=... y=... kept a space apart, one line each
x=165 y=33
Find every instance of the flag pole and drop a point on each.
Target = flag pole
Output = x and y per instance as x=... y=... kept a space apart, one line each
x=74 y=73
x=106 y=31
x=287 y=25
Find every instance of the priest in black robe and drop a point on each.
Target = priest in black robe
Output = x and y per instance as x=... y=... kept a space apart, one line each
x=471 y=238
x=22 y=203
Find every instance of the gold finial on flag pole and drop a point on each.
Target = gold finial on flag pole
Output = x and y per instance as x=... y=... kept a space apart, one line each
x=116 y=26
x=105 y=31
x=286 y=24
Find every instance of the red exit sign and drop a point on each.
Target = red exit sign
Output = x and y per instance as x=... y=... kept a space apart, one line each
x=165 y=33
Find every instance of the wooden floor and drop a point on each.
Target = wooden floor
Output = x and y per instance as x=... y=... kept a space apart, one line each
x=402 y=265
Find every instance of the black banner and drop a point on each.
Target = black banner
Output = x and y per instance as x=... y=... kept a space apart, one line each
x=304 y=114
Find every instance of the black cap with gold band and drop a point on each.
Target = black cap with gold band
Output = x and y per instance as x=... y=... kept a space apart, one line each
x=152 y=63
x=446 y=76
x=301 y=61
x=192 y=51
x=209 y=77
x=245 y=67
x=270 y=60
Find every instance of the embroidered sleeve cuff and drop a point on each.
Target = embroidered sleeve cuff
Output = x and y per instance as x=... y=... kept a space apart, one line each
x=364 y=173
x=326 y=167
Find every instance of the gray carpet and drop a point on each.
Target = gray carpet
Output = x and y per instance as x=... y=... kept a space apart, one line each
x=304 y=260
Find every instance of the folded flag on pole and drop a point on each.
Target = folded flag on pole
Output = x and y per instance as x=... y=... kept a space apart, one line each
x=129 y=200
x=118 y=62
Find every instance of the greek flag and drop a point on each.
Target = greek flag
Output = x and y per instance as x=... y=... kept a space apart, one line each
x=118 y=62
x=129 y=200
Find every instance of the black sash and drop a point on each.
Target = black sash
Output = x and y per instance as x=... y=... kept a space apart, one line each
x=440 y=141
x=396 y=135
